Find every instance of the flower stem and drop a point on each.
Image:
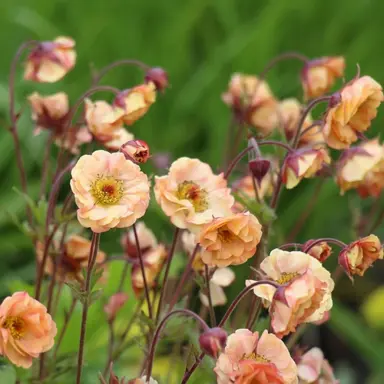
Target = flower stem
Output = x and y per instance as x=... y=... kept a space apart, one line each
x=326 y=239
x=45 y=167
x=211 y=309
x=110 y=347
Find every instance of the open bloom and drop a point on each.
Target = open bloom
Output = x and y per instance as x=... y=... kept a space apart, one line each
x=252 y=100
x=50 y=61
x=307 y=290
x=230 y=240
x=303 y=163
x=135 y=102
x=362 y=167
x=26 y=329
x=360 y=99
x=319 y=75
x=358 y=256
x=110 y=191
x=313 y=368
x=250 y=358
x=191 y=194
x=115 y=303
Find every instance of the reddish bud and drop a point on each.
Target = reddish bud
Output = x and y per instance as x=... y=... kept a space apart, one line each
x=136 y=151
x=213 y=341
x=161 y=160
x=344 y=263
x=259 y=168
x=157 y=76
x=321 y=251
x=115 y=303
x=335 y=100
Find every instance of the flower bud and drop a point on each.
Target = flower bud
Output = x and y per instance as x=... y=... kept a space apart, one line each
x=259 y=168
x=335 y=100
x=157 y=76
x=161 y=160
x=136 y=151
x=115 y=303
x=213 y=341
x=320 y=251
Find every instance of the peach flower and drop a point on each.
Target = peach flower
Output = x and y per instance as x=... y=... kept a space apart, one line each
x=307 y=289
x=253 y=101
x=50 y=61
x=189 y=241
x=119 y=137
x=303 y=163
x=115 y=303
x=73 y=139
x=362 y=167
x=321 y=251
x=360 y=99
x=191 y=194
x=110 y=191
x=135 y=102
x=313 y=368
x=319 y=75
x=230 y=240
x=358 y=256
x=250 y=358
x=26 y=329
x=143 y=380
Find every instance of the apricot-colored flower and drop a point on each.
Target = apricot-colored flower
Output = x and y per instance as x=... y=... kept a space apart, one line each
x=70 y=260
x=307 y=289
x=303 y=163
x=110 y=191
x=321 y=251
x=191 y=194
x=115 y=303
x=135 y=102
x=50 y=61
x=230 y=240
x=319 y=75
x=143 y=380
x=73 y=139
x=362 y=167
x=250 y=358
x=252 y=101
x=358 y=256
x=360 y=99
x=26 y=329
x=135 y=150
x=313 y=368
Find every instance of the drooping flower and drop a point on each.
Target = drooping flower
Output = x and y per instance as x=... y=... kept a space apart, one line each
x=307 y=288
x=230 y=240
x=358 y=256
x=73 y=139
x=157 y=76
x=135 y=150
x=110 y=191
x=252 y=100
x=115 y=303
x=313 y=368
x=135 y=102
x=213 y=341
x=320 y=251
x=26 y=329
x=362 y=167
x=319 y=75
x=191 y=194
x=303 y=163
x=360 y=100
x=50 y=61
x=250 y=358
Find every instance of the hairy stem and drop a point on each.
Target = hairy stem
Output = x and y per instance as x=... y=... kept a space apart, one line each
x=211 y=308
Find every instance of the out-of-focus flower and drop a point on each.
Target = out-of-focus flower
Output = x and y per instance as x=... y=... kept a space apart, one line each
x=119 y=137
x=191 y=194
x=259 y=168
x=189 y=242
x=50 y=61
x=372 y=308
x=358 y=256
x=26 y=329
x=321 y=251
x=70 y=260
x=230 y=240
x=135 y=102
x=157 y=76
x=319 y=75
x=307 y=287
x=360 y=99
x=313 y=368
x=252 y=101
x=110 y=191
x=250 y=358
x=135 y=150
x=143 y=380
x=212 y=341
x=74 y=139
x=303 y=163
x=115 y=303
x=362 y=167
x=161 y=160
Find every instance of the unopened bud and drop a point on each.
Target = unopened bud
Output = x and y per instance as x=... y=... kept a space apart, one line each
x=259 y=168
x=213 y=341
x=157 y=76
x=320 y=251
x=335 y=100
x=115 y=303
x=136 y=151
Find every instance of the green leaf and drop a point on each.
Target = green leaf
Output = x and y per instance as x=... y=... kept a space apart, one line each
x=261 y=210
x=77 y=290
x=7 y=374
x=95 y=295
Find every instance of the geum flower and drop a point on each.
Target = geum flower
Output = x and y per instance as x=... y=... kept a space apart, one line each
x=307 y=288
x=110 y=191
x=26 y=329
x=250 y=358
x=191 y=194
x=344 y=122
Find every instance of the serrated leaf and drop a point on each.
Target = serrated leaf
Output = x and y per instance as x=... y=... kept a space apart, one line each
x=77 y=291
x=95 y=295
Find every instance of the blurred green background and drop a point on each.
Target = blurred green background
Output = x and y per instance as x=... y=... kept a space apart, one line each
x=201 y=43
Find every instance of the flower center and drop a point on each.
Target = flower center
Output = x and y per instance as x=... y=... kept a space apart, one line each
x=107 y=190
x=188 y=190
x=16 y=326
x=256 y=357
x=225 y=235
x=287 y=277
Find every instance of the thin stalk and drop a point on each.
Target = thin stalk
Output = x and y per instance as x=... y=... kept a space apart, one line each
x=290 y=245
x=326 y=239
x=45 y=167
x=110 y=347
x=211 y=309
x=295 y=337
x=377 y=222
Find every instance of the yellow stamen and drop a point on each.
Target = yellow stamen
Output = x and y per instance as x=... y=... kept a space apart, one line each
x=287 y=277
x=107 y=190
x=16 y=326
x=256 y=357
x=188 y=190
x=225 y=235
